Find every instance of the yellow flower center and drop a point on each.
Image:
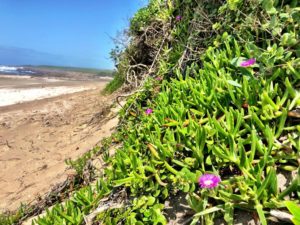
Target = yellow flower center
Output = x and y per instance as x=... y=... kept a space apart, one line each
x=208 y=182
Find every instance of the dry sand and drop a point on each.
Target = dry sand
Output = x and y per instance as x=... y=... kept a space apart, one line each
x=37 y=136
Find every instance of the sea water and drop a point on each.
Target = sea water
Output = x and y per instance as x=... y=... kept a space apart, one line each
x=15 y=70
x=17 y=85
x=13 y=96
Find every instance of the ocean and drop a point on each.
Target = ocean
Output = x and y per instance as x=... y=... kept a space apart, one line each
x=14 y=70
x=16 y=86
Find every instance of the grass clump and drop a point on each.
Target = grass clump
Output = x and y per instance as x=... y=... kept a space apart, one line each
x=14 y=218
x=115 y=84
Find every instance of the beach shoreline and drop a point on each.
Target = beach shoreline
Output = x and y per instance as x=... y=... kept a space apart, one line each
x=16 y=89
x=36 y=137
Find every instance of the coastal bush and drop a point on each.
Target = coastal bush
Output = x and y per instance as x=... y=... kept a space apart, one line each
x=217 y=122
x=136 y=55
x=156 y=10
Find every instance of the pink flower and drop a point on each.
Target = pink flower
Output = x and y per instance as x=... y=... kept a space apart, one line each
x=248 y=62
x=149 y=111
x=158 y=78
x=178 y=18
x=209 y=181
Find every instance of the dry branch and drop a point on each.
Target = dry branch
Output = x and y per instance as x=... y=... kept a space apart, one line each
x=102 y=208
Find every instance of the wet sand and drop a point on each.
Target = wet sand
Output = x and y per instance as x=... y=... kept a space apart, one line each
x=18 y=89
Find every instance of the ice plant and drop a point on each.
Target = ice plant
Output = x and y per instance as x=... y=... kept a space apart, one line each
x=178 y=18
x=158 y=78
x=148 y=111
x=248 y=62
x=209 y=181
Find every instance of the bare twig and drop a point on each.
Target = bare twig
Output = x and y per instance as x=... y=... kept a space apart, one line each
x=90 y=218
x=8 y=145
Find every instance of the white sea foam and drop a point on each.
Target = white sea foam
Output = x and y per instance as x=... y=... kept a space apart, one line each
x=9 y=68
x=28 y=72
x=12 y=96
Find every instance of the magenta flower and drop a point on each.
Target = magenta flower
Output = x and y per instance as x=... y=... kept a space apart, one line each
x=158 y=78
x=178 y=18
x=248 y=62
x=149 y=111
x=209 y=181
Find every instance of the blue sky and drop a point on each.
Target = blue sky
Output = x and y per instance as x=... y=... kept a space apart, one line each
x=62 y=32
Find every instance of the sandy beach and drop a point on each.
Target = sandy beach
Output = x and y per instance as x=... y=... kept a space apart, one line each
x=18 y=89
x=66 y=119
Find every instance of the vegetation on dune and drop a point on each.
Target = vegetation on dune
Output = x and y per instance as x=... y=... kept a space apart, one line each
x=115 y=84
x=99 y=72
x=216 y=118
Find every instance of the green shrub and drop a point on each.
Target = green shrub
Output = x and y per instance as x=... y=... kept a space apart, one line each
x=156 y=10
x=116 y=83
